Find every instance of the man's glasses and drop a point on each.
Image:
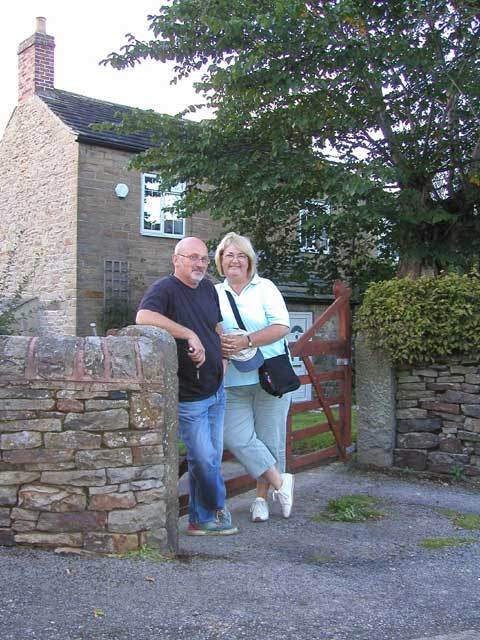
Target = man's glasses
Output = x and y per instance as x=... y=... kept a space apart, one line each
x=194 y=257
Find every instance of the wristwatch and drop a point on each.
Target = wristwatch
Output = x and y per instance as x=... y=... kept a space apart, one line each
x=250 y=343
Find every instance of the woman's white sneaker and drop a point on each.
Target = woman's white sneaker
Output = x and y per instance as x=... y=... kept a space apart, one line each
x=259 y=510
x=285 y=494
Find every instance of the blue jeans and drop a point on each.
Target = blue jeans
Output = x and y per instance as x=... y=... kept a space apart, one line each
x=201 y=430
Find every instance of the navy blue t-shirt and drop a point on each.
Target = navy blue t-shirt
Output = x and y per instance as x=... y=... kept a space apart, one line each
x=199 y=310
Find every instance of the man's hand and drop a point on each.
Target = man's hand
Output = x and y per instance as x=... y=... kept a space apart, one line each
x=195 y=347
x=196 y=350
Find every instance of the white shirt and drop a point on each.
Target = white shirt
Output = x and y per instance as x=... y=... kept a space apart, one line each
x=260 y=304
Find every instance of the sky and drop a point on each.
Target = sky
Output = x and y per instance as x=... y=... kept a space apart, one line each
x=86 y=32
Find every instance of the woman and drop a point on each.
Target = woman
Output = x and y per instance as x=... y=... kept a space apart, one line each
x=255 y=422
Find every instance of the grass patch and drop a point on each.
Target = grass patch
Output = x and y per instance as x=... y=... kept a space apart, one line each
x=319 y=559
x=312 y=443
x=441 y=543
x=457 y=472
x=322 y=440
x=469 y=521
x=354 y=508
x=145 y=553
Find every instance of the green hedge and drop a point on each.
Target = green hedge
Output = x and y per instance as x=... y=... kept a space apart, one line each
x=422 y=320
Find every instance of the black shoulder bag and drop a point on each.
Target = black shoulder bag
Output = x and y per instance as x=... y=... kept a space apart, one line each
x=276 y=375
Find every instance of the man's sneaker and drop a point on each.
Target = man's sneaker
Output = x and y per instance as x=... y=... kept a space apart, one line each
x=284 y=495
x=224 y=517
x=259 y=510
x=195 y=529
x=221 y=526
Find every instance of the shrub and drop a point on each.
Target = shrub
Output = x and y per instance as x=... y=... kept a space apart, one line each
x=422 y=320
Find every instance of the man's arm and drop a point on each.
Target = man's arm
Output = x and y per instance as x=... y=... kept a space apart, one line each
x=155 y=319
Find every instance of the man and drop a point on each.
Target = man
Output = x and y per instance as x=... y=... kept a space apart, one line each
x=187 y=306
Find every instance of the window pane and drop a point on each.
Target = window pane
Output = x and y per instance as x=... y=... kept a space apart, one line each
x=156 y=203
x=178 y=227
x=152 y=212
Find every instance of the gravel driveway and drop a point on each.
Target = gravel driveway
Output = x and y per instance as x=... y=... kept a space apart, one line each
x=285 y=579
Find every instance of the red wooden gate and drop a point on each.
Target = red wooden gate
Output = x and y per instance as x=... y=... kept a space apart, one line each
x=312 y=349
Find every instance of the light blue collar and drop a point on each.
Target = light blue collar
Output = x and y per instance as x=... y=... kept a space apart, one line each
x=253 y=281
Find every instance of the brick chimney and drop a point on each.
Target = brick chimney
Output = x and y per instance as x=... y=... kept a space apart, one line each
x=36 y=62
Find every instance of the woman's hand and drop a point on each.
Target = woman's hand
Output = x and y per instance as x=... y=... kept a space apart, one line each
x=232 y=343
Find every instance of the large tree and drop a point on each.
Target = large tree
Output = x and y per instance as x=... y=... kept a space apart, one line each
x=360 y=117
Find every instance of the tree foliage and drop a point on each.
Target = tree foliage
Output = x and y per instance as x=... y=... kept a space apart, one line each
x=362 y=114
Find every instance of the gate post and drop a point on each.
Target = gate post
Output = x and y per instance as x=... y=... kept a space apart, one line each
x=375 y=385
x=345 y=334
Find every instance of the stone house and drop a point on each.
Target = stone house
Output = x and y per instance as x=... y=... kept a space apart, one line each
x=84 y=228
x=100 y=232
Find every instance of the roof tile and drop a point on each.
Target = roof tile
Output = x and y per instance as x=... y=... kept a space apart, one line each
x=79 y=112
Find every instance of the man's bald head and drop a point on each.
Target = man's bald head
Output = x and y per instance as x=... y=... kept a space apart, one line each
x=191 y=245
x=190 y=261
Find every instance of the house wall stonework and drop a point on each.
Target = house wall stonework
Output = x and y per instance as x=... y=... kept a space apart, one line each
x=88 y=442
x=109 y=228
x=421 y=417
x=38 y=202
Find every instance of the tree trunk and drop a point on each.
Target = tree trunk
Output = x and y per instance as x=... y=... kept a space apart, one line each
x=415 y=268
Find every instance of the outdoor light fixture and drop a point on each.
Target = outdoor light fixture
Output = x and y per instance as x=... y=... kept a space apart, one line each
x=121 y=190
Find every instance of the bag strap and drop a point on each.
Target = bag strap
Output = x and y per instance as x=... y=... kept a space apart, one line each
x=235 y=310
x=239 y=320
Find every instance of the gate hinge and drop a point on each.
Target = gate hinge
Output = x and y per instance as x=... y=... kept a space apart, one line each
x=343 y=362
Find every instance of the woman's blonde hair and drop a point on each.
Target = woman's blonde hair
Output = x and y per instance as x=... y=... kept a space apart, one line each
x=244 y=245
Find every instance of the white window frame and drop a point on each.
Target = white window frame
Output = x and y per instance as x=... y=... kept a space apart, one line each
x=302 y=320
x=317 y=244
x=175 y=191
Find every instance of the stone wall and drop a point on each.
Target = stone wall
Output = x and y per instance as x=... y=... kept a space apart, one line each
x=438 y=417
x=88 y=441
x=423 y=418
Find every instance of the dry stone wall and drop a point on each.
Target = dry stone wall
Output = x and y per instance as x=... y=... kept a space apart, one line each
x=438 y=417
x=422 y=418
x=88 y=441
